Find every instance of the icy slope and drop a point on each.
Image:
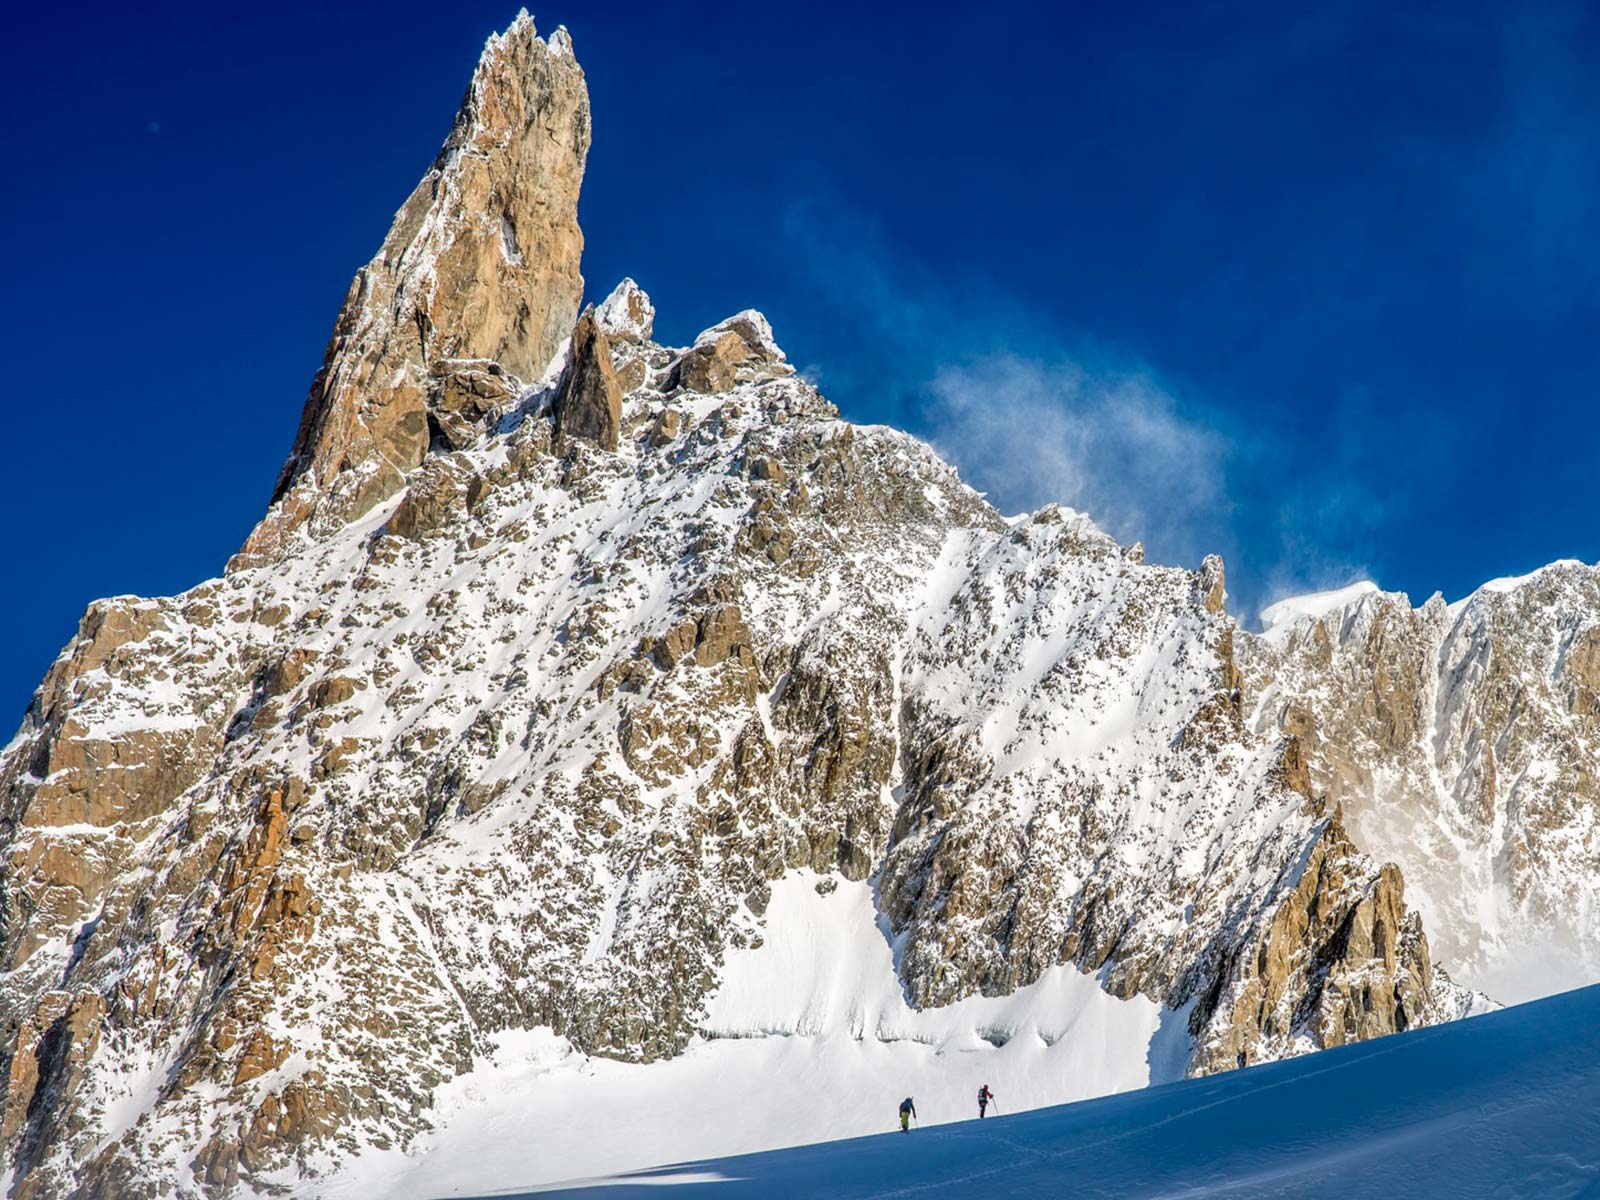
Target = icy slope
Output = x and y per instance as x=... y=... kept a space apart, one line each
x=809 y=1038
x=1502 y=1106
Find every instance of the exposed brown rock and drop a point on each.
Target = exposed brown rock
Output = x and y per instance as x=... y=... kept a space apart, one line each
x=24 y=1053
x=273 y=615
x=290 y=670
x=1580 y=672
x=713 y=638
x=107 y=780
x=742 y=343
x=751 y=328
x=710 y=367
x=1294 y=771
x=481 y=263
x=631 y=375
x=589 y=404
x=335 y=757
x=464 y=393
x=49 y=1058
x=723 y=635
x=673 y=646
x=261 y=1054
x=336 y=689
x=666 y=427
x=1346 y=932
x=769 y=470
x=437 y=498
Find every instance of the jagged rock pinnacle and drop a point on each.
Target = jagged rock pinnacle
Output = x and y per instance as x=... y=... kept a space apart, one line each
x=481 y=263
x=589 y=404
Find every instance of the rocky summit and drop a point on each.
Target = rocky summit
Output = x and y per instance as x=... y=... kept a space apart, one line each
x=479 y=274
x=558 y=647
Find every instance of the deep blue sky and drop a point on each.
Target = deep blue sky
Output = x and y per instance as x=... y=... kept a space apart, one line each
x=1315 y=286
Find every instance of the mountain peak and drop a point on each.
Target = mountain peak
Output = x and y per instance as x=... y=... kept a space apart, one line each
x=590 y=677
x=627 y=314
x=1313 y=605
x=481 y=263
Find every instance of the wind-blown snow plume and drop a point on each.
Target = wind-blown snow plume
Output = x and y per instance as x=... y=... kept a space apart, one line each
x=1115 y=447
x=1027 y=414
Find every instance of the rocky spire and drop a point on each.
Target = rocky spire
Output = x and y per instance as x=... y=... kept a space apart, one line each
x=481 y=263
x=589 y=404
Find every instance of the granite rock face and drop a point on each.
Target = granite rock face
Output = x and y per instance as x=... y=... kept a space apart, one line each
x=588 y=403
x=737 y=349
x=480 y=264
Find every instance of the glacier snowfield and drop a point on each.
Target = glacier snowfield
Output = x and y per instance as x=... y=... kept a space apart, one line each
x=1496 y=1107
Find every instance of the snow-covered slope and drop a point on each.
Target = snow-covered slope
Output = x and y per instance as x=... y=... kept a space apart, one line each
x=1501 y=1107
x=1313 y=605
x=804 y=1039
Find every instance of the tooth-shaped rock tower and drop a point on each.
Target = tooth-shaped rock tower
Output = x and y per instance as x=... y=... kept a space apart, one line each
x=481 y=264
x=566 y=664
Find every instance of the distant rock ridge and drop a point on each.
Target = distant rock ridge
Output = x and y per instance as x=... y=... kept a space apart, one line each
x=558 y=647
x=1462 y=740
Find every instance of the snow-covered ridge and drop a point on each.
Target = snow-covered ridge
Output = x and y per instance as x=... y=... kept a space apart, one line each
x=1458 y=738
x=1513 y=583
x=1314 y=604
